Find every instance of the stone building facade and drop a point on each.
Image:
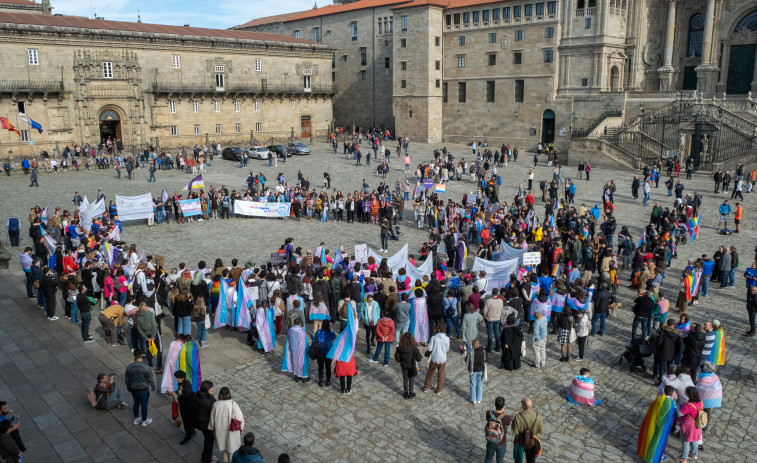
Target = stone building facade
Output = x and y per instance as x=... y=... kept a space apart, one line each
x=520 y=71
x=86 y=80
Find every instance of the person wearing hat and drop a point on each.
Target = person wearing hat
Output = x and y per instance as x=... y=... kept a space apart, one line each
x=184 y=393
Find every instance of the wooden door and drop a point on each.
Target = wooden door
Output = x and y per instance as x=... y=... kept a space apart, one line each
x=305 y=127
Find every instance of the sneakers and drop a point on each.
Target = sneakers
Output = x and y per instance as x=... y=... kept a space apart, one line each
x=137 y=421
x=372 y=361
x=386 y=364
x=53 y=318
x=146 y=422
x=122 y=405
x=90 y=339
x=348 y=391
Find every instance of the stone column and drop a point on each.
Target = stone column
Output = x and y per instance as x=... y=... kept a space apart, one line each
x=707 y=71
x=667 y=71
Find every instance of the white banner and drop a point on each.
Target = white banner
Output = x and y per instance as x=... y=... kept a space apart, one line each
x=85 y=214
x=256 y=209
x=417 y=273
x=497 y=273
x=395 y=262
x=134 y=207
x=507 y=252
x=98 y=209
x=531 y=258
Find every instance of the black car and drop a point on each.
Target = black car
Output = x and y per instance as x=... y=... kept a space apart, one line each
x=232 y=154
x=278 y=150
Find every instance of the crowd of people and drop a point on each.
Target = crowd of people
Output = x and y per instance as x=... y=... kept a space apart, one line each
x=572 y=289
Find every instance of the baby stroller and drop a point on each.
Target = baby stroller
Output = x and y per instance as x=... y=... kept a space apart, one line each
x=682 y=234
x=636 y=351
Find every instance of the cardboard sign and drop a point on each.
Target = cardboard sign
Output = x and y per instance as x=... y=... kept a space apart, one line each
x=278 y=258
x=531 y=258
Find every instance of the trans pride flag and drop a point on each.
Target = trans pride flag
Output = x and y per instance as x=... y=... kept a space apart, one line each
x=266 y=330
x=296 y=353
x=419 y=319
x=344 y=346
x=653 y=435
x=581 y=391
x=222 y=309
x=710 y=390
x=241 y=314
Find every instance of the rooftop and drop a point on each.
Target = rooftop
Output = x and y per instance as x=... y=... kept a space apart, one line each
x=77 y=22
x=261 y=21
x=20 y=2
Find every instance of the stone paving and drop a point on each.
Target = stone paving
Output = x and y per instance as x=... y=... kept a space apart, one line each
x=45 y=369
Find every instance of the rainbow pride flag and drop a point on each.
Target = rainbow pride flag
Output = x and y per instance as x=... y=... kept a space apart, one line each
x=693 y=227
x=556 y=270
x=717 y=354
x=653 y=435
x=688 y=286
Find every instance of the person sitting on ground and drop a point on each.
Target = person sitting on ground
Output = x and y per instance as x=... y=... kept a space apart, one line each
x=581 y=390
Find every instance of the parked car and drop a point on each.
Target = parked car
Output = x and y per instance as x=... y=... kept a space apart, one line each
x=298 y=148
x=232 y=154
x=258 y=152
x=278 y=150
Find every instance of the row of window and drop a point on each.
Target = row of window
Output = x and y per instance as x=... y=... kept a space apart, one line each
x=549 y=33
x=216 y=104
x=219 y=128
x=494 y=14
x=549 y=57
x=462 y=91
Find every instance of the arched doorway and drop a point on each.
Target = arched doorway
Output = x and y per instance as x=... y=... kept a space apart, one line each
x=741 y=58
x=110 y=125
x=548 y=126
x=614 y=78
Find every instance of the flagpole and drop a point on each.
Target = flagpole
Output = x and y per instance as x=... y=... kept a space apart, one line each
x=20 y=144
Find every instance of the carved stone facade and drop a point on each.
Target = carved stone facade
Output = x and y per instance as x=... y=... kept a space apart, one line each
x=86 y=84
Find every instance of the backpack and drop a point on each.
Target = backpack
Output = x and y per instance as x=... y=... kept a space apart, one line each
x=292 y=316
x=494 y=429
x=402 y=285
x=700 y=422
x=116 y=284
x=92 y=397
x=527 y=438
x=450 y=312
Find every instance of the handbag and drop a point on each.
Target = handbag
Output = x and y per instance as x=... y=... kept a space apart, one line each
x=174 y=409
x=486 y=373
x=314 y=351
x=207 y=321
x=573 y=336
x=158 y=310
x=235 y=425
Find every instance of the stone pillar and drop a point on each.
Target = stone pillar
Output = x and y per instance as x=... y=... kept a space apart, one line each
x=707 y=71
x=666 y=71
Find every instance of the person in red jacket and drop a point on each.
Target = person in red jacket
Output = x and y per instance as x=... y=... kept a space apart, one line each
x=385 y=336
x=69 y=263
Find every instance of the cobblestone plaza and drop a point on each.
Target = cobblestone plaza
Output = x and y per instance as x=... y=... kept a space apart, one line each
x=45 y=369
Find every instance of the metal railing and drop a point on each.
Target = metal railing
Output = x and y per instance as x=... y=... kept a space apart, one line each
x=583 y=133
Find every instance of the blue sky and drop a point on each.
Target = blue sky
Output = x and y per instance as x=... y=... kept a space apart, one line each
x=220 y=14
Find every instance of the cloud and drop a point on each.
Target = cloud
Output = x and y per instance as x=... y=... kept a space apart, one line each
x=220 y=15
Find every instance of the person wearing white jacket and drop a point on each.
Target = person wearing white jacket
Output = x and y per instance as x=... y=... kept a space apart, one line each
x=221 y=415
x=438 y=346
x=583 y=328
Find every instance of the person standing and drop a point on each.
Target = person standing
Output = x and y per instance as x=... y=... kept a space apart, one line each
x=84 y=306
x=710 y=391
x=687 y=418
x=438 y=346
x=512 y=342
x=526 y=425
x=475 y=364
x=34 y=178
x=202 y=404
x=49 y=286
x=370 y=313
x=325 y=338
x=408 y=356
x=152 y=170
x=227 y=424
x=497 y=423
x=492 y=314
x=751 y=309
x=385 y=333
x=140 y=382
x=26 y=265
x=539 y=338
x=14 y=227
x=471 y=319
x=185 y=395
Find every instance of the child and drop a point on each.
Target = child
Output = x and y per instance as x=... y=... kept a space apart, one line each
x=583 y=327
x=581 y=391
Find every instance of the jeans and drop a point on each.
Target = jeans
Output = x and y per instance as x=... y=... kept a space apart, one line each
x=732 y=277
x=646 y=199
x=705 y=285
x=644 y=327
x=117 y=397
x=492 y=330
x=86 y=318
x=401 y=328
x=141 y=398
x=452 y=321
x=601 y=317
x=40 y=298
x=152 y=177
x=185 y=325
x=727 y=278
x=492 y=448
x=122 y=298
x=408 y=380
x=29 y=284
x=202 y=332
x=685 y=448
x=540 y=352
x=384 y=241
x=406 y=196
x=382 y=345
x=74 y=312
x=476 y=385
x=660 y=369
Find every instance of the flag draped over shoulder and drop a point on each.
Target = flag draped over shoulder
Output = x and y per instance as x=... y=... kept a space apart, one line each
x=266 y=333
x=717 y=354
x=653 y=435
x=296 y=358
x=344 y=345
x=419 y=319
x=222 y=312
x=338 y=259
x=195 y=184
x=184 y=357
x=164 y=196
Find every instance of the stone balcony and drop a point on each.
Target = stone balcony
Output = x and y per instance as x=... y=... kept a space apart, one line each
x=251 y=89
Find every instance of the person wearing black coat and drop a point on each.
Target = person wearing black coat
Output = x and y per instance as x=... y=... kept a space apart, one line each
x=512 y=340
x=407 y=354
x=202 y=404
x=666 y=345
x=693 y=344
x=435 y=304
x=185 y=395
x=602 y=300
x=49 y=286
